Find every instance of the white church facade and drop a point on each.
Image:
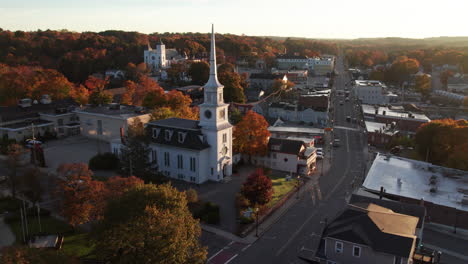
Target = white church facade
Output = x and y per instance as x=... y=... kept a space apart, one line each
x=192 y=150
x=161 y=58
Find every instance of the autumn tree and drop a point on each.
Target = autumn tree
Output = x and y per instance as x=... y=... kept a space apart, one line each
x=199 y=72
x=233 y=90
x=128 y=97
x=402 y=68
x=117 y=186
x=27 y=255
x=80 y=94
x=444 y=142
x=150 y=224
x=258 y=188
x=251 y=135
x=98 y=98
x=423 y=84
x=79 y=194
x=176 y=71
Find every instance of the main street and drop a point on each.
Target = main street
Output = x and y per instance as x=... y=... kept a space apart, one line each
x=322 y=198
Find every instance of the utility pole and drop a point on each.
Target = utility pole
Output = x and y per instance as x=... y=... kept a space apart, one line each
x=26 y=219
x=39 y=217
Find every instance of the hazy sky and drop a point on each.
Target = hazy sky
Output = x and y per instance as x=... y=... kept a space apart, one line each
x=300 y=18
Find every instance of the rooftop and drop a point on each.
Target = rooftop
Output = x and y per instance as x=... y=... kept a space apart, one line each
x=267 y=76
x=368 y=83
x=378 y=227
x=386 y=111
x=25 y=124
x=122 y=111
x=296 y=129
x=10 y=113
x=418 y=180
x=285 y=145
x=177 y=123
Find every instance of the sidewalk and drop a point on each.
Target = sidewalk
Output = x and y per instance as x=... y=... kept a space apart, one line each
x=7 y=237
x=447 y=230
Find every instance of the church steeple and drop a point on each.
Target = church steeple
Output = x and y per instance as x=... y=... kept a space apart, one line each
x=149 y=46
x=213 y=82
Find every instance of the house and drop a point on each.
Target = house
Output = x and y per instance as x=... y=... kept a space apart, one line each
x=46 y=118
x=281 y=130
x=105 y=122
x=291 y=62
x=369 y=234
x=195 y=151
x=297 y=76
x=264 y=81
x=380 y=134
x=292 y=156
x=441 y=190
x=298 y=113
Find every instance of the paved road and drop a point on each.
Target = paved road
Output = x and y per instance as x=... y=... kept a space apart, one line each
x=321 y=199
x=454 y=249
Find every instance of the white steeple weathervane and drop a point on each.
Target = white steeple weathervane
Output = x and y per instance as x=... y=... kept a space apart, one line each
x=213 y=82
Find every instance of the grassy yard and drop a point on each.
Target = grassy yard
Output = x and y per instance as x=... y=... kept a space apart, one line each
x=280 y=186
x=75 y=243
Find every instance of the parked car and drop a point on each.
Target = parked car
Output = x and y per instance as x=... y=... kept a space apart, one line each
x=336 y=142
x=319 y=154
x=341 y=102
x=31 y=142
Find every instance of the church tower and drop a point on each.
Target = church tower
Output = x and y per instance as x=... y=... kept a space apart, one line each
x=161 y=55
x=215 y=124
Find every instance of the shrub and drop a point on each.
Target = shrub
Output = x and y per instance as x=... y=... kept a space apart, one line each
x=105 y=161
x=208 y=213
x=241 y=201
x=192 y=196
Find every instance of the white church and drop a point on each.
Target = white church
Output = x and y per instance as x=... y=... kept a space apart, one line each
x=161 y=58
x=192 y=150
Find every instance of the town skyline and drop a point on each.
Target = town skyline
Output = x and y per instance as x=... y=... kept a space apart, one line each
x=345 y=20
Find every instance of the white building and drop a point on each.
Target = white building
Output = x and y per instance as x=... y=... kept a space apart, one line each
x=321 y=66
x=161 y=58
x=105 y=122
x=292 y=156
x=371 y=92
x=192 y=150
x=297 y=113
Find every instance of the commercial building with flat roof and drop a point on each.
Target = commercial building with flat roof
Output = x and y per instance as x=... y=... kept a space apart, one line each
x=443 y=191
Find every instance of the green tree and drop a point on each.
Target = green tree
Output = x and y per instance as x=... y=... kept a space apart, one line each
x=235 y=116
x=150 y=224
x=199 y=72
x=233 y=90
x=134 y=158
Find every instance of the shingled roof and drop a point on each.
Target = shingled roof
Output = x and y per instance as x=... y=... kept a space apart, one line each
x=288 y=146
x=190 y=133
x=377 y=227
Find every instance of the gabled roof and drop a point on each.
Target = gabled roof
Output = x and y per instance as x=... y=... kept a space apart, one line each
x=190 y=131
x=288 y=146
x=377 y=227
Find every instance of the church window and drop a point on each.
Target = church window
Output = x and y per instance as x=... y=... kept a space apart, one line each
x=156 y=132
x=222 y=114
x=168 y=135
x=180 y=176
x=220 y=97
x=192 y=164
x=224 y=138
x=180 y=162
x=167 y=160
x=153 y=58
x=181 y=136
x=154 y=156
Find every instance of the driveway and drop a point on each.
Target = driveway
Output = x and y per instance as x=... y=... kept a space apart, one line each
x=72 y=150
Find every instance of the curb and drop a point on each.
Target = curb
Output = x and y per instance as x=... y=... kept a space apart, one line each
x=447 y=230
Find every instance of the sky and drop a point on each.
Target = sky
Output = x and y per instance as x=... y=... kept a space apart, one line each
x=289 y=18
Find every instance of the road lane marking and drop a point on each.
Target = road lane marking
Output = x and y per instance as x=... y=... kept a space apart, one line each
x=246 y=247
x=229 y=260
x=221 y=250
x=232 y=242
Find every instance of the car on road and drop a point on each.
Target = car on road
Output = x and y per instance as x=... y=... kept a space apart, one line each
x=319 y=153
x=336 y=142
x=348 y=118
x=341 y=102
x=31 y=142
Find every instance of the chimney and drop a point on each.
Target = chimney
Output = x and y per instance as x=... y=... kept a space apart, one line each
x=376 y=111
x=381 y=192
x=384 y=112
x=421 y=203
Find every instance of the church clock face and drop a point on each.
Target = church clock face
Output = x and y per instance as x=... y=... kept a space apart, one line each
x=208 y=114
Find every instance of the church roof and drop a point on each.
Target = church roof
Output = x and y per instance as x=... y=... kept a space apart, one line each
x=213 y=83
x=182 y=133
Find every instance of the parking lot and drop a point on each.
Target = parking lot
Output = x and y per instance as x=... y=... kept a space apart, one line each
x=73 y=149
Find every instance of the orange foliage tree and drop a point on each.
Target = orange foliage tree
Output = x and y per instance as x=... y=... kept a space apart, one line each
x=444 y=142
x=251 y=135
x=84 y=199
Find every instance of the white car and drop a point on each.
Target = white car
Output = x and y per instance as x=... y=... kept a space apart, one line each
x=319 y=153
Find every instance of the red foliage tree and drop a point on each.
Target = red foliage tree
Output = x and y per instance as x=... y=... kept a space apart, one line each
x=251 y=134
x=258 y=188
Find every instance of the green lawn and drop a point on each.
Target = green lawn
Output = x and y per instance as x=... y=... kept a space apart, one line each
x=75 y=243
x=280 y=187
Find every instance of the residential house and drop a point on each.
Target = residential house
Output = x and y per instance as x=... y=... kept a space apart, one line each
x=369 y=234
x=292 y=62
x=380 y=134
x=264 y=81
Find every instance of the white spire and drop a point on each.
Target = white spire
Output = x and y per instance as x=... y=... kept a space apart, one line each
x=213 y=80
